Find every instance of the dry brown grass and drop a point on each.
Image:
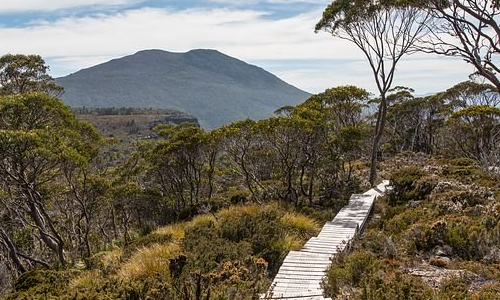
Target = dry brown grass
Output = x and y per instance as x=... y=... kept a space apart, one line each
x=299 y=222
x=176 y=231
x=86 y=279
x=149 y=261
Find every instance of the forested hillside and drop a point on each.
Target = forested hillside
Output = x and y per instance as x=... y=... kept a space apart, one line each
x=213 y=87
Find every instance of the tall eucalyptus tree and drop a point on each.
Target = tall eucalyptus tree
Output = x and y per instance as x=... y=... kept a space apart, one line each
x=384 y=31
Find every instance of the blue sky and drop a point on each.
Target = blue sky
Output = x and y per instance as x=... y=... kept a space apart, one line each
x=277 y=35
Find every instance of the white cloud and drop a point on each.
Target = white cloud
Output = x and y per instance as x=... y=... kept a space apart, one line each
x=250 y=2
x=70 y=44
x=9 y=6
x=431 y=75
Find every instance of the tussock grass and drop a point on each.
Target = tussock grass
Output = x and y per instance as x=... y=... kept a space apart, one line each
x=299 y=222
x=85 y=280
x=202 y=219
x=290 y=242
x=111 y=258
x=176 y=231
x=238 y=210
x=148 y=262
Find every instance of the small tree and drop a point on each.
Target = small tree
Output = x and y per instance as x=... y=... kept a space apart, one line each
x=179 y=164
x=384 y=32
x=333 y=135
x=39 y=137
x=414 y=122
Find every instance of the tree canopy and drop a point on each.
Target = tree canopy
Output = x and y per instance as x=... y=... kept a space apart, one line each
x=26 y=73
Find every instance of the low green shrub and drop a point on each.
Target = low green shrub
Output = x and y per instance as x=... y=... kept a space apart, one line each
x=488 y=292
x=462 y=162
x=206 y=248
x=409 y=184
x=454 y=288
x=348 y=270
x=467 y=171
x=41 y=280
x=363 y=276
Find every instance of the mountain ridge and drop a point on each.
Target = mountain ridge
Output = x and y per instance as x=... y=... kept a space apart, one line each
x=212 y=86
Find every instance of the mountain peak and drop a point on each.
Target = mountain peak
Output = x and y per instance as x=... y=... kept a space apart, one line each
x=212 y=86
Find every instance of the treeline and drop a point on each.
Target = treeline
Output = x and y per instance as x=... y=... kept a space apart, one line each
x=60 y=203
x=113 y=111
x=463 y=121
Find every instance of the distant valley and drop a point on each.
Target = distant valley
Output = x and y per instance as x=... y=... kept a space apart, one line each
x=130 y=124
x=211 y=86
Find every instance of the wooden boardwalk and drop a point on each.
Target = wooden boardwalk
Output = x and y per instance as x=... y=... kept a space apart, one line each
x=302 y=271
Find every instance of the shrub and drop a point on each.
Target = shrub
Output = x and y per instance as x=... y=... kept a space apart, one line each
x=454 y=288
x=365 y=277
x=41 y=280
x=402 y=221
x=378 y=243
x=348 y=270
x=438 y=262
x=238 y=196
x=488 y=292
x=89 y=286
x=258 y=226
x=462 y=162
x=391 y=285
x=467 y=171
x=409 y=184
x=206 y=248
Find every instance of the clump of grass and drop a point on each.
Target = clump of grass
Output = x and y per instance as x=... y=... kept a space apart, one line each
x=299 y=222
x=107 y=261
x=438 y=262
x=148 y=262
x=111 y=258
x=290 y=242
x=86 y=279
x=240 y=210
x=202 y=219
x=176 y=231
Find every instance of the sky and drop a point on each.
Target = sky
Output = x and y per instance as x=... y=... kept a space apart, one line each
x=277 y=35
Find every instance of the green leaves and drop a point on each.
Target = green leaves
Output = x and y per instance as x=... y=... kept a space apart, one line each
x=38 y=125
x=477 y=111
x=25 y=73
x=348 y=12
x=34 y=110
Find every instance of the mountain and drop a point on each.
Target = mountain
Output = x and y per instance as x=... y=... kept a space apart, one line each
x=215 y=88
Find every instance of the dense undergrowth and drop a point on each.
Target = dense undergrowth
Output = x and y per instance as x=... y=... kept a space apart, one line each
x=434 y=236
x=227 y=255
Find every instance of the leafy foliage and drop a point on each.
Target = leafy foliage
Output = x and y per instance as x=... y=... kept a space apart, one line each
x=26 y=73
